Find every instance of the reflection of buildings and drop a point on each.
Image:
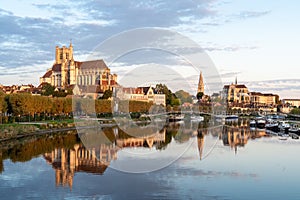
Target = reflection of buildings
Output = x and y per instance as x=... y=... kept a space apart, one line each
x=200 y=139
x=68 y=161
x=235 y=136
x=142 y=141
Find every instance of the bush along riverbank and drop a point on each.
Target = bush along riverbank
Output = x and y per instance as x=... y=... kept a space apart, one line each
x=17 y=130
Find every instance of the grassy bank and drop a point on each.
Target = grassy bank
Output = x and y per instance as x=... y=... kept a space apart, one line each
x=14 y=130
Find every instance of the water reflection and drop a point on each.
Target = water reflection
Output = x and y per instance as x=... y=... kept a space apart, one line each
x=66 y=162
x=67 y=155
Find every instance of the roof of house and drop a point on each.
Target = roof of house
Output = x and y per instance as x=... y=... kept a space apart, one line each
x=145 y=89
x=291 y=99
x=47 y=74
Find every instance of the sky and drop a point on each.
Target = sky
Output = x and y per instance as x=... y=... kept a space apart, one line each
x=253 y=40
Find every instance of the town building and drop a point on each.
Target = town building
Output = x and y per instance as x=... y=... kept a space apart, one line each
x=146 y=94
x=263 y=99
x=66 y=72
x=291 y=102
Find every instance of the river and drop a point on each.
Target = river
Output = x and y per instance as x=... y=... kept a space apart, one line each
x=178 y=161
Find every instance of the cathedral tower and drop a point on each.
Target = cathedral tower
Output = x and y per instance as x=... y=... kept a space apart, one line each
x=64 y=57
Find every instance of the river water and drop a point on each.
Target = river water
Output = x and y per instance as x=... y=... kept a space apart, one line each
x=179 y=161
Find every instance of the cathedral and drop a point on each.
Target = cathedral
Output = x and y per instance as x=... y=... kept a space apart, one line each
x=67 y=72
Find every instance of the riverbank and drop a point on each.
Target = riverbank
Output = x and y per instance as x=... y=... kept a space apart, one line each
x=18 y=130
x=24 y=129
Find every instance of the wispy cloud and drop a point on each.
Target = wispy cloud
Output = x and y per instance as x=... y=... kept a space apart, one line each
x=285 y=88
x=251 y=14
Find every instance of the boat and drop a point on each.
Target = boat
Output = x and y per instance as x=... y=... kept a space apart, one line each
x=294 y=136
x=283 y=137
x=176 y=118
x=260 y=122
x=231 y=117
x=284 y=126
x=295 y=129
x=252 y=123
x=271 y=125
x=197 y=118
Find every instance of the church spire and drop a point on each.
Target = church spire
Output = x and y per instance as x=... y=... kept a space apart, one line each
x=200 y=84
x=236 y=80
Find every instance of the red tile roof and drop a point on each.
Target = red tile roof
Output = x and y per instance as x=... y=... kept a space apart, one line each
x=47 y=74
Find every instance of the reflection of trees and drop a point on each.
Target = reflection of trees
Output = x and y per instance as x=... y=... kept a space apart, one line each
x=23 y=152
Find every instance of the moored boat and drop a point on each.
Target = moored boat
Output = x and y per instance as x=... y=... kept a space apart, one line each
x=295 y=129
x=272 y=125
x=252 y=123
x=197 y=118
x=260 y=122
x=284 y=126
x=175 y=118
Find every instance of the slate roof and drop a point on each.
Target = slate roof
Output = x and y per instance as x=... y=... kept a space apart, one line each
x=93 y=64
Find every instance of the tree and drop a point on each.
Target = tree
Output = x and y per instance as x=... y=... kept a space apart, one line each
x=48 y=90
x=184 y=96
x=200 y=95
x=107 y=94
x=3 y=105
x=295 y=111
x=170 y=97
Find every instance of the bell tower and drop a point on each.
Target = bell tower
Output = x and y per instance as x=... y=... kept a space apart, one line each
x=64 y=57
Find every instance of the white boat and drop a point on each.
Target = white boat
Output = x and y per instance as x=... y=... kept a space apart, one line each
x=284 y=126
x=272 y=125
x=197 y=118
x=252 y=123
x=260 y=122
x=283 y=137
x=294 y=129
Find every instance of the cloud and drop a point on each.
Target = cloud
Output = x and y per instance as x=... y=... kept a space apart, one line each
x=251 y=14
x=232 y=48
x=28 y=40
x=285 y=88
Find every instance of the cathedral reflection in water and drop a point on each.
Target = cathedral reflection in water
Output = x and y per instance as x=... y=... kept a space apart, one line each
x=66 y=162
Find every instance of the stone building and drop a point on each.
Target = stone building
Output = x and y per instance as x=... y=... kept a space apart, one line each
x=147 y=94
x=236 y=93
x=66 y=72
x=263 y=99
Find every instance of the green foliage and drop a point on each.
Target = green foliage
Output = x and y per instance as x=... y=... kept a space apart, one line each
x=29 y=150
x=184 y=96
x=171 y=98
x=295 y=111
x=107 y=94
x=200 y=95
x=3 y=104
x=48 y=90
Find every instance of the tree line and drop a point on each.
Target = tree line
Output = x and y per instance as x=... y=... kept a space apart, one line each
x=27 y=107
